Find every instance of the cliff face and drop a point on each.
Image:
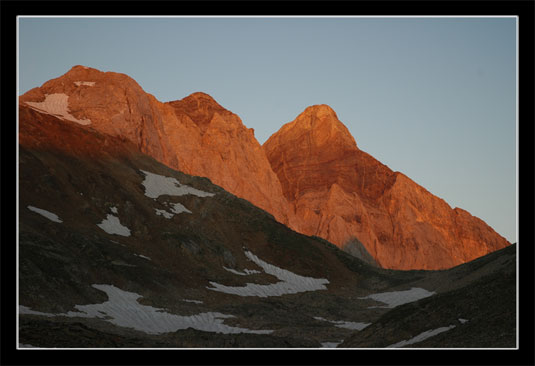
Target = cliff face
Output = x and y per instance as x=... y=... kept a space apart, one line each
x=340 y=193
x=195 y=135
x=108 y=102
x=210 y=141
x=310 y=175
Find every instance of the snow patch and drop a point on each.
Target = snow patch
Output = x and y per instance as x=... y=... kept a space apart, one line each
x=193 y=301
x=49 y=215
x=175 y=207
x=245 y=272
x=164 y=213
x=396 y=298
x=112 y=225
x=86 y=83
x=290 y=283
x=142 y=256
x=422 y=336
x=122 y=263
x=158 y=185
x=124 y=310
x=57 y=104
x=179 y=208
x=26 y=310
x=462 y=321
x=344 y=324
x=113 y=209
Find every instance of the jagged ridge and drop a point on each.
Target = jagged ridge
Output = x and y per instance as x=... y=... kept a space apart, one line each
x=310 y=175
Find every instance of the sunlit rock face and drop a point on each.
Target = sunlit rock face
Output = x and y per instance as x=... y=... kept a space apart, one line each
x=113 y=103
x=211 y=141
x=194 y=135
x=310 y=175
x=340 y=193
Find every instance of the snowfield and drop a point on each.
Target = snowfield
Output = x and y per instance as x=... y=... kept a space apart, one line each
x=57 y=104
x=179 y=208
x=193 y=301
x=246 y=272
x=124 y=310
x=27 y=310
x=142 y=256
x=396 y=298
x=158 y=185
x=164 y=213
x=422 y=336
x=49 y=215
x=112 y=225
x=344 y=324
x=290 y=283
x=175 y=208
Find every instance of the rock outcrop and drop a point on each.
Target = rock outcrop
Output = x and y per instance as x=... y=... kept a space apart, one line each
x=194 y=135
x=341 y=193
x=212 y=142
x=310 y=175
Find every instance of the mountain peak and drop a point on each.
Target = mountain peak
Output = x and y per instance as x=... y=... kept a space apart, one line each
x=80 y=71
x=201 y=108
x=321 y=118
x=319 y=125
x=310 y=174
x=197 y=100
x=81 y=67
x=201 y=96
x=320 y=110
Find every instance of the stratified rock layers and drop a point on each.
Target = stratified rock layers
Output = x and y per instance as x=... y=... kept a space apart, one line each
x=310 y=175
x=340 y=193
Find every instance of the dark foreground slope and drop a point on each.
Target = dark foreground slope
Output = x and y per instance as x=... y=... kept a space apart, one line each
x=130 y=253
x=479 y=308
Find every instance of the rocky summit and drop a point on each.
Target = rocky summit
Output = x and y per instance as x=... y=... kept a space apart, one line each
x=117 y=250
x=344 y=195
x=310 y=175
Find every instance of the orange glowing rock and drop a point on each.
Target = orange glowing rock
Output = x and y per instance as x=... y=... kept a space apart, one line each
x=195 y=135
x=310 y=175
x=340 y=193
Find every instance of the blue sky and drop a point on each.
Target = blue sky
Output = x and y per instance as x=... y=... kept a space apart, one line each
x=433 y=98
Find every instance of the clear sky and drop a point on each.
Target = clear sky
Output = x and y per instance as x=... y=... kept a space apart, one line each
x=433 y=98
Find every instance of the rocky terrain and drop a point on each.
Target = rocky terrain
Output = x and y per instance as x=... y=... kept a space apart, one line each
x=310 y=175
x=343 y=194
x=119 y=250
x=194 y=135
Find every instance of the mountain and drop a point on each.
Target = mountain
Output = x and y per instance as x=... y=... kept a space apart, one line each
x=212 y=142
x=344 y=195
x=195 y=134
x=310 y=175
x=475 y=310
x=119 y=250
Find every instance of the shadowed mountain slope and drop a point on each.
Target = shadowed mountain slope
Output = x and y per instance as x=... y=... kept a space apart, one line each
x=310 y=175
x=119 y=250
